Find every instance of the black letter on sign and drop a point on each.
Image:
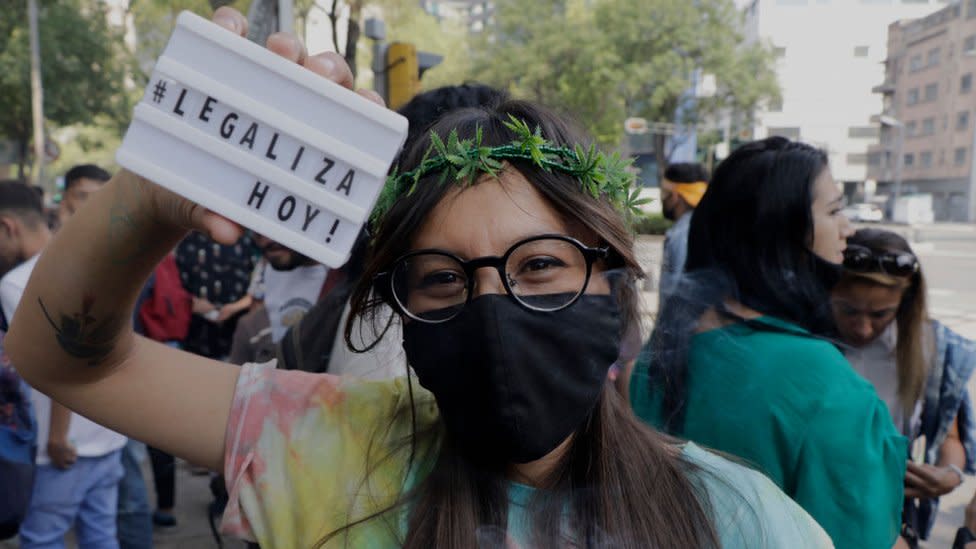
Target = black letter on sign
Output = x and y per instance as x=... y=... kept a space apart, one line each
x=270 y=154
x=328 y=166
x=207 y=109
x=346 y=183
x=227 y=129
x=290 y=200
x=309 y=216
x=179 y=103
x=249 y=135
x=298 y=156
x=332 y=231
x=258 y=193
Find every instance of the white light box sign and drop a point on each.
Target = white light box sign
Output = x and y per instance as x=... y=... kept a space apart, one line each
x=262 y=141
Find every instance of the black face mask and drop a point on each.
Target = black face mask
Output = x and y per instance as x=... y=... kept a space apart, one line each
x=513 y=384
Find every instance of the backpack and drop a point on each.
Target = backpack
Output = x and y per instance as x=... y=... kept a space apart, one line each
x=166 y=313
x=18 y=444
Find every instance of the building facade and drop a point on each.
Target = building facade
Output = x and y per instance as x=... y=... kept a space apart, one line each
x=830 y=57
x=929 y=110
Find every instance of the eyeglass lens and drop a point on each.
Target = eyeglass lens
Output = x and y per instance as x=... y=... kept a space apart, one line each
x=545 y=275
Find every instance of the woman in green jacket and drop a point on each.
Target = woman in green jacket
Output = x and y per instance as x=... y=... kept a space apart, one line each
x=738 y=362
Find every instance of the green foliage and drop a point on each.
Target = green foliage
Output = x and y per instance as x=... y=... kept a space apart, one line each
x=408 y=22
x=605 y=60
x=462 y=161
x=154 y=21
x=82 y=67
x=651 y=224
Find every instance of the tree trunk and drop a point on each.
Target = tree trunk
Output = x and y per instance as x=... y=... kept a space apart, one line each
x=333 y=21
x=21 y=157
x=352 y=34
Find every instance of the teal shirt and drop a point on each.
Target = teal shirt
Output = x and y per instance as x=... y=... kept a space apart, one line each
x=748 y=510
x=792 y=407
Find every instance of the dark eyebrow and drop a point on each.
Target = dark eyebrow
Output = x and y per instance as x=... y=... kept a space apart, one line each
x=838 y=200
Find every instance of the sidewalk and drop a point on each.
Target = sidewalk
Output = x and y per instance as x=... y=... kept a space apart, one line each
x=192 y=497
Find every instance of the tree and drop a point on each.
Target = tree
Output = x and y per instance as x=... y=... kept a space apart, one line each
x=662 y=53
x=550 y=51
x=82 y=64
x=605 y=60
x=153 y=22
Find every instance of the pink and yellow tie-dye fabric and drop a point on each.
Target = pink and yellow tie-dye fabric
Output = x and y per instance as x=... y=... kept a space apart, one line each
x=298 y=449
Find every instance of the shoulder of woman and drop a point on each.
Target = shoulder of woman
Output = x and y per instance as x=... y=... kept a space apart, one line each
x=265 y=391
x=749 y=510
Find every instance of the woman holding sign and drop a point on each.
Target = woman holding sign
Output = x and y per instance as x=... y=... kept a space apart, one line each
x=502 y=246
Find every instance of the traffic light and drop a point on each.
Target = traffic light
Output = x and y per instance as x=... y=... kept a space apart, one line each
x=402 y=74
x=404 y=67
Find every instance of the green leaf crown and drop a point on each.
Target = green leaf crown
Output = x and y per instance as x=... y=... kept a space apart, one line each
x=463 y=160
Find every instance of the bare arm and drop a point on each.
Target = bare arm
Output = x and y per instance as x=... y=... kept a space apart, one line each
x=932 y=481
x=71 y=337
x=952 y=450
x=59 y=448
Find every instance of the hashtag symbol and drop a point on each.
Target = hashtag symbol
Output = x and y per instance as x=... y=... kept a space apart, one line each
x=159 y=91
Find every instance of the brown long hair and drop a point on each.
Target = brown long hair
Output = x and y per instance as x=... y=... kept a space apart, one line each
x=912 y=317
x=624 y=483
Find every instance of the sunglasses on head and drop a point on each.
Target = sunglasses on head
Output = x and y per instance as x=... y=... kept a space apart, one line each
x=860 y=259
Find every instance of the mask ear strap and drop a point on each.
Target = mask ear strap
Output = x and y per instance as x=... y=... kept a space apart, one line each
x=375 y=342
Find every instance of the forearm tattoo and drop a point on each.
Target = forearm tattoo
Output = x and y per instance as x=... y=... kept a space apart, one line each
x=81 y=335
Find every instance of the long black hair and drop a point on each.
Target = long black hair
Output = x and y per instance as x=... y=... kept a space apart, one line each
x=623 y=481
x=749 y=241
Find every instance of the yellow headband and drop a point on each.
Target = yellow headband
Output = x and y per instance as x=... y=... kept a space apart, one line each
x=692 y=193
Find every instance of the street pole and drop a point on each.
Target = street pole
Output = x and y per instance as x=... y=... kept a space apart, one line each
x=971 y=214
x=37 y=93
x=376 y=31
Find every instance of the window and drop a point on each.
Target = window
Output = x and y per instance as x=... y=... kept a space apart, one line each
x=779 y=52
x=928 y=126
x=787 y=132
x=863 y=132
x=874 y=159
x=933 y=58
x=959 y=156
x=969 y=45
x=962 y=121
x=966 y=83
x=931 y=92
x=915 y=63
x=861 y=51
x=776 y=105
x=857 y=158
x=911 y=128
x=971 y=8
x=913 y=96
x=925 y=159
x=909 y=159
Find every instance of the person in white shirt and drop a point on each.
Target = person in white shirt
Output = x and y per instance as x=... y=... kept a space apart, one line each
x=78 y=461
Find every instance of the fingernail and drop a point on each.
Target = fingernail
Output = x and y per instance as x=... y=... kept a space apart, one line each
x=325 y=65
x=226 y=21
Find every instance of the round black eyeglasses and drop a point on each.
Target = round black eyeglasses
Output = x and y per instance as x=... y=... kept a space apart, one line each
x=544 y=273
x=860 y=259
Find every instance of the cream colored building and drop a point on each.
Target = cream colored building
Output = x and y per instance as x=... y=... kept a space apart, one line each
x=830 y=55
